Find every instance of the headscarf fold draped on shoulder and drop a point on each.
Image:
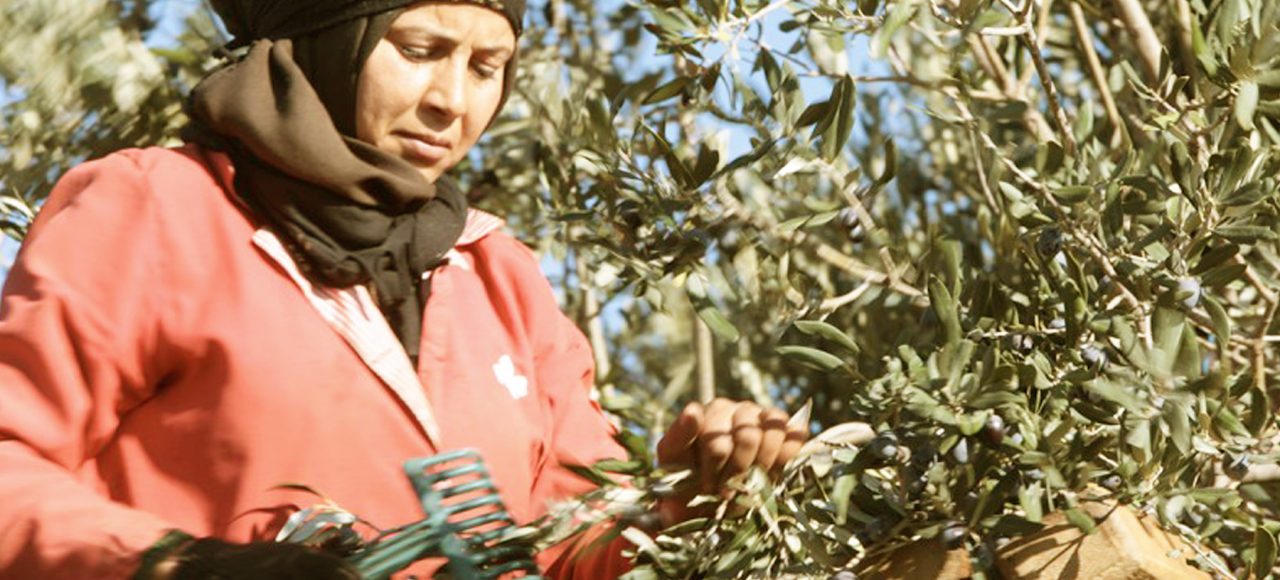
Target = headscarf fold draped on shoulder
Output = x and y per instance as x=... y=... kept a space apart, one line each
x=285 y=113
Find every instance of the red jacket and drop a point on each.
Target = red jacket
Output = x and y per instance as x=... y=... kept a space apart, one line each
x=162 y=366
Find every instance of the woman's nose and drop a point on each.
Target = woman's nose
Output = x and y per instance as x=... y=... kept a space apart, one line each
x=446 y=94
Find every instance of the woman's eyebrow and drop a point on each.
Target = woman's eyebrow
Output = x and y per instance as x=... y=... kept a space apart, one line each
x=495 y=50
x=451 y=37
x=426 y=30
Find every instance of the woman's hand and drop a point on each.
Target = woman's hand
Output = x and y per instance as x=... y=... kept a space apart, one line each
x=210 y=558
x=720 y=441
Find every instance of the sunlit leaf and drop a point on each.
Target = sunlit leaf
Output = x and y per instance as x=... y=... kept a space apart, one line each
x=812 y=356
x=1246 y=104
x=826 y=331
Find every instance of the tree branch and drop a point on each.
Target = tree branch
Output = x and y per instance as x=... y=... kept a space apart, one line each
x=1051 y=92
x=1009 y=88
x=1140 y=29
x=983 y=180
x=705 y=351
x=1262 y=474
x=1260 y=347
x=1186 y=41
x=1091 y=245
x=592 y=321
x=1085 y=37
x=825 y=252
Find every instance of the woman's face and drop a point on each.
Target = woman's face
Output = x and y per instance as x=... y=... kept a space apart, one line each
x=431 y=86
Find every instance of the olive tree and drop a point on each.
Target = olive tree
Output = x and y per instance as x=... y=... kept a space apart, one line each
x=1031 y=244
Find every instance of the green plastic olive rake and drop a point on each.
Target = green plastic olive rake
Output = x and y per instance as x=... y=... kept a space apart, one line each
x=466 y=523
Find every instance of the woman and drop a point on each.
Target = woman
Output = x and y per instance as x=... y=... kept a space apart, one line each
x=300 y=295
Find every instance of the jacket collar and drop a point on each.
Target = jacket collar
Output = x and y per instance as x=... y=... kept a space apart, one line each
x=479 y=223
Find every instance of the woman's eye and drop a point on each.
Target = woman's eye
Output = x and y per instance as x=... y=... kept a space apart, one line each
x=418 y=52
x=486 y=71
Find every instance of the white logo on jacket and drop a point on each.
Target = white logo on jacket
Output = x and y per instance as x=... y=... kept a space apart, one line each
x=516 y=384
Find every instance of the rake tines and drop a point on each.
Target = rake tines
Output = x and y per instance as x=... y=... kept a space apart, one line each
x=466 y=522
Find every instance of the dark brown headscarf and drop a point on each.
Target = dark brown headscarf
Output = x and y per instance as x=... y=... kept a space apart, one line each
x=249 y=20
x=285 y=113
x=351 y=27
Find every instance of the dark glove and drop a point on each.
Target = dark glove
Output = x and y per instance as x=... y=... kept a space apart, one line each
x=213 y=559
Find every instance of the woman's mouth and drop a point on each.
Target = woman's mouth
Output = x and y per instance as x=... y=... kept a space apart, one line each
x=423 y=149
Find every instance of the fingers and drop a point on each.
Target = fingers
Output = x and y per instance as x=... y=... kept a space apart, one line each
x=724 y=438
x=773 y=424
x=721 y=440
x=677 y=446
x=795 y=439
x=759 y=437
x=715 y=443
x=746 y=440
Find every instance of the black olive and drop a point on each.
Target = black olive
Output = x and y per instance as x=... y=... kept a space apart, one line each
x=1094 y=357
x=1049 y=243
x=953 y=536
x=1237 y=468
x=993 y=431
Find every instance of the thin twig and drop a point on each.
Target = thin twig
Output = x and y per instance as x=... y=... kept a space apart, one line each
x=937 y=12
x=1004 y=30
x=1015 y=10
x=859 y=210
x=825 y=252
x=1260 y=347
x=808 y=70
x=890 y=266
x=1021 y=14
x=1090 y=244
x=841 y=260
x=1252 y=277
x=987 y=194
x=994 y=67
x=1206 y=556
x=1085 y=37
x=747 y=22
x=766 y=10
x=833 y=304
x=1051 y=93
x=855 y=201
x=1042 y=20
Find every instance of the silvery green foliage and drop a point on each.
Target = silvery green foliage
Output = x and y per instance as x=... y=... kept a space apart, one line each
x=78 y=82
x=923 y=215
x=974 y=225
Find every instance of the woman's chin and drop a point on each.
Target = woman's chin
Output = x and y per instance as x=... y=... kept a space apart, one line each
x=430 y=173
x=429 y=169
